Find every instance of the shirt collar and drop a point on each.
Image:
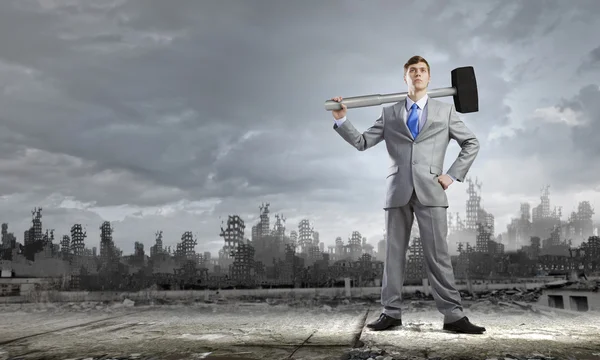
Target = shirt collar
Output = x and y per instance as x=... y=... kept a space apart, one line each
x=421 y=103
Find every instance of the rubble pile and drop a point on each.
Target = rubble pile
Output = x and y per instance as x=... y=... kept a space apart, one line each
x=366 y=353
x=591 y=285
x=530 y=357
x=494 y=296
x=508 y=295
x=374 y=353
x=511 y=300
x=87 y=306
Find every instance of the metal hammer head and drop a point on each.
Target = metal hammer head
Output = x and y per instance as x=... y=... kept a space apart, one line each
x=466 y=99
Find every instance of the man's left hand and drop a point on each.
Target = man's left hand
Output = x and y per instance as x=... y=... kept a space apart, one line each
x=445 y=181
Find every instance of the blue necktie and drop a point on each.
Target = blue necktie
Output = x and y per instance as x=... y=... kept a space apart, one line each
x=413 y=121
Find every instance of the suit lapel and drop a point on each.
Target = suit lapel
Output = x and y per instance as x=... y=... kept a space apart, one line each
x=432 y=110
x=399 y=109
x=434 y=124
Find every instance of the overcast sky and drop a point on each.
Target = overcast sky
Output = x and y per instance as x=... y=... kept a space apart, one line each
x=170 y=115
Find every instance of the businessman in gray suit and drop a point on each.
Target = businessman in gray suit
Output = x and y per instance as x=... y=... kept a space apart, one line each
x=417 y=131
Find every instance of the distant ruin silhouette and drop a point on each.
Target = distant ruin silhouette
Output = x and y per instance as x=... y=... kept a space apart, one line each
x=536 y=243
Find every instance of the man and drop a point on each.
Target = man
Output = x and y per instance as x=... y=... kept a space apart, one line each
x=417 y=131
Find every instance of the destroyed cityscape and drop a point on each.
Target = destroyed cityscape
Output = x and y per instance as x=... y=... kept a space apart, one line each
x=538 y=243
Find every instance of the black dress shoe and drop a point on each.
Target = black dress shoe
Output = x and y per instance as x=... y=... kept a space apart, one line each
x=384 y=322
x=464 y=326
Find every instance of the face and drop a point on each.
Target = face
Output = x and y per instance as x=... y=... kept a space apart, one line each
x=417 y=76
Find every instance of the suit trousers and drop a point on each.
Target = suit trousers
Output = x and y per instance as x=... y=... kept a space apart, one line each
x=433 y=228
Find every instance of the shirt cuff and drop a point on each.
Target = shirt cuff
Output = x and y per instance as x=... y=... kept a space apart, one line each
x=339 y=122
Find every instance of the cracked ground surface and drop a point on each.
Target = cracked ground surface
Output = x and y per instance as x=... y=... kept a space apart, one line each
x=286 y=330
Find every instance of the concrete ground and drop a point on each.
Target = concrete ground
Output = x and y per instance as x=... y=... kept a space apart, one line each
x=299 y=330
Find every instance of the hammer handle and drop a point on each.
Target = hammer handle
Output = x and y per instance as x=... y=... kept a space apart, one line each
x=377 y=99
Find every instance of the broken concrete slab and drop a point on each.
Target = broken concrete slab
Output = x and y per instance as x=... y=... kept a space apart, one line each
x=263 y=331
x=29 y=319
x=201 y=328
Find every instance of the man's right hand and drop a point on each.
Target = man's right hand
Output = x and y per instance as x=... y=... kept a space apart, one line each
x=338 y=114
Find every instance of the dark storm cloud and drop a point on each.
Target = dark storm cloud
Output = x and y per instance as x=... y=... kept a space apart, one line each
x=234 y=68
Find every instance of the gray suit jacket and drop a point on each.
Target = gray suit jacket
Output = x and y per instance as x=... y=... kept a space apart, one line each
x=417 y=163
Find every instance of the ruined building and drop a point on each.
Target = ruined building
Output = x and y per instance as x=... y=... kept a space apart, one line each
x=233 y=236
x=589 y=253
x=354 y=246
x=352 y=252
x=476 y=214
x=106 y=242
x=185 y=249
x=540 y=222
x=109 y=253
x=48 y=247
x=287 y=271
x=543 y=222
x=314 y=254
x=78 y=236
x=138 y=251
x=485 y=242
x=580 y=225
x=554 y=240
x=242 y=269
x=339 y=248
x=262 y=229
x=65 y=246
x=157 y=248
x=34 y=233
x=279 y=229
x=293 y=239
x=9 y=241
x=331 y=251
x=305 y=234
x=520 y=230
x=461 y=270
x=466 y=231
x=543 y=219
x=310 y=251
